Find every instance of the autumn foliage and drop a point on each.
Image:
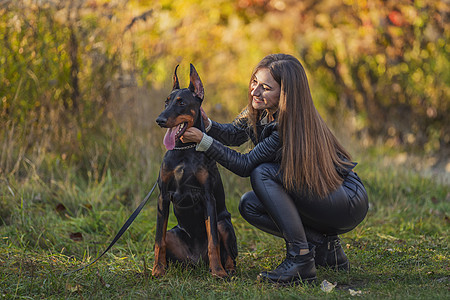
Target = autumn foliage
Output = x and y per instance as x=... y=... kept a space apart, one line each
x=381 y=68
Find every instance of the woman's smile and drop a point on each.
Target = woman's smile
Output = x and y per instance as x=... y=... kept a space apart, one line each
x=256 y=100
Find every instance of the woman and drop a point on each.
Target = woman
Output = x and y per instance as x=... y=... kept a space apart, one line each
x=304 y=188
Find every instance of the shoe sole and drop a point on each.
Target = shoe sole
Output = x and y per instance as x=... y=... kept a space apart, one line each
x=312 y=280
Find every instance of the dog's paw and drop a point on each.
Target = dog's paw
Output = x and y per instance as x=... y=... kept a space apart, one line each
x=158 y=271
x=219 y=273
x=230 y=266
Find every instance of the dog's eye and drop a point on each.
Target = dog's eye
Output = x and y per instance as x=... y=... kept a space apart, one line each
x=180 y=102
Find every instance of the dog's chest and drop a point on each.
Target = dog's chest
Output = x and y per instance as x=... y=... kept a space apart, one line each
x=186 y=175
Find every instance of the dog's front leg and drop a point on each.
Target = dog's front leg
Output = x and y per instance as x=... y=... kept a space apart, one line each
x=160 y=237
x=213 y=237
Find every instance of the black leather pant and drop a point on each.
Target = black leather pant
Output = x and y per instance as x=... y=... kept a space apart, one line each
x=270 y=208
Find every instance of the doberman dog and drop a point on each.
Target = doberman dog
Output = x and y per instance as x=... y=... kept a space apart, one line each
x=191 y=181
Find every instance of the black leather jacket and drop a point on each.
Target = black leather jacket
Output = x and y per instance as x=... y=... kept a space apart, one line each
x=267 y=145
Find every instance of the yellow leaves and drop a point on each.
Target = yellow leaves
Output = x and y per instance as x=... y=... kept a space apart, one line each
x=375 y=52
x=323 y=20
x=166 y=20
x=279 y=5
x=418 y=75
x=15 y=23
x=329 y=58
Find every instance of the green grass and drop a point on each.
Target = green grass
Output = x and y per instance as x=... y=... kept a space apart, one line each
x=400 y=251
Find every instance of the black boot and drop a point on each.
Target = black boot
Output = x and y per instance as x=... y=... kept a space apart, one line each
x=335 y=255
x=329 y=252
x=294 y=269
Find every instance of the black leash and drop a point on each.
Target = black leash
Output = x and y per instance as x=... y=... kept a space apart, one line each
x=121 y=231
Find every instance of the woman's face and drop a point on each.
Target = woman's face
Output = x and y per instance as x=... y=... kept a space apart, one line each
x=265 y=91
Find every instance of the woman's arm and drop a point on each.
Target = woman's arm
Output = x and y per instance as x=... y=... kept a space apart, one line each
x=268 y=150
x=232 y=134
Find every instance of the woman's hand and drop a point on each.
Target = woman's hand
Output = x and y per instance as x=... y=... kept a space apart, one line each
x=192 y=134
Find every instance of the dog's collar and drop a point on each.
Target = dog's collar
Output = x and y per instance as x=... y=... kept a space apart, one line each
x=185 y=147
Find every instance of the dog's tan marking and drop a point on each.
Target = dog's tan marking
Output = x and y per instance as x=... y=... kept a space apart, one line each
x=214 y=253
x=178 y=172
x=224 y=236
x=160 y=253
x=160 y=261
x=202 y=175
x=172 y=122
x=165 y=174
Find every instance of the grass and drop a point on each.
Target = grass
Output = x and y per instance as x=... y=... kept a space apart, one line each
x=52 y=225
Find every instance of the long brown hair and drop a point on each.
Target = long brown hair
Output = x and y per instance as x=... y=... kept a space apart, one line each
x=310 y=151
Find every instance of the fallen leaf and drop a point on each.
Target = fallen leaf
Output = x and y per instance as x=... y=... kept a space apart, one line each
x=387 y=237
x=327 y=286
x=87 y=206
x=354 y=293
x=73 y=288
x=60 y=208
x=77 y=236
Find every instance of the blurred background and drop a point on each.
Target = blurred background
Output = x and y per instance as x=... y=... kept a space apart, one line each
x=81 y=82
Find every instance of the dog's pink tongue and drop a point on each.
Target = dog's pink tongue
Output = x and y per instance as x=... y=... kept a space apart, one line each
x=169 y=138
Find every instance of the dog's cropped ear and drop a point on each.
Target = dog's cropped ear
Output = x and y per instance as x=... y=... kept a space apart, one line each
x=196 y=86
x=176 y=83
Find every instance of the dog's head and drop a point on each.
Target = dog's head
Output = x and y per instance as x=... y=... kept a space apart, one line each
x=181 y=108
